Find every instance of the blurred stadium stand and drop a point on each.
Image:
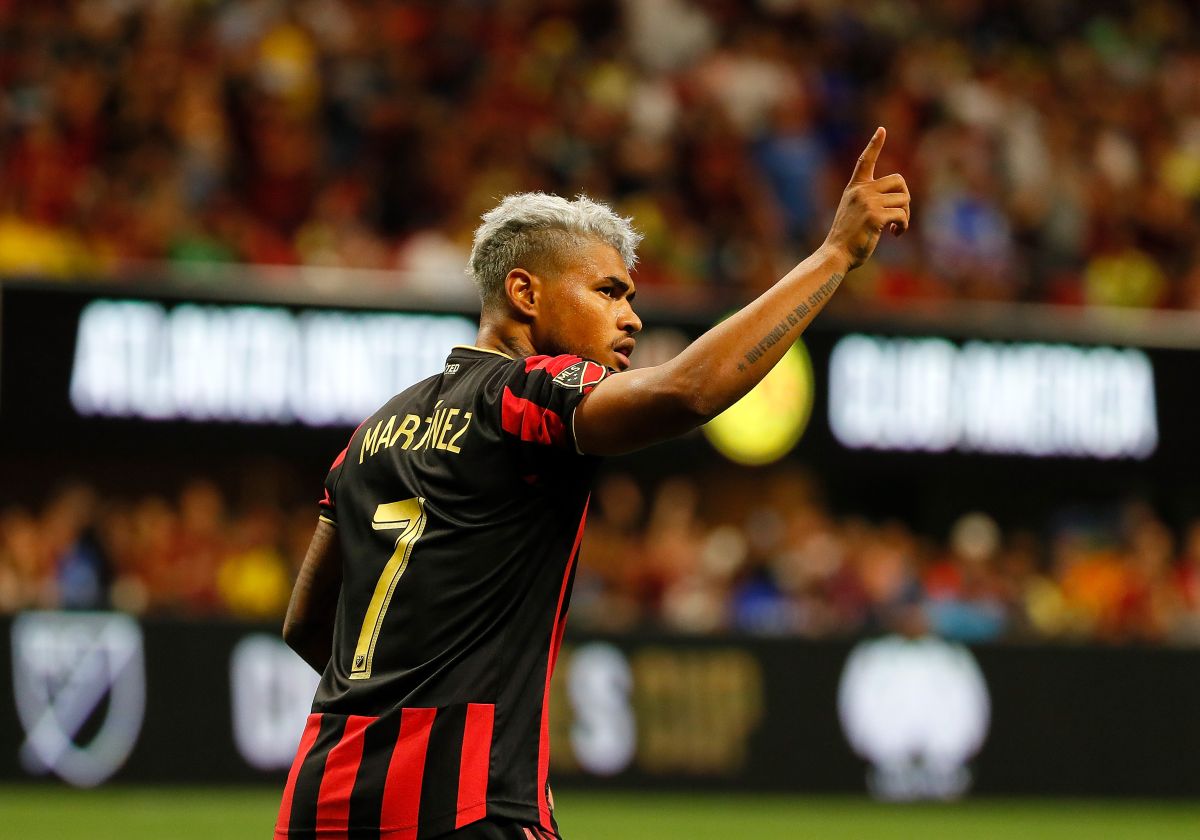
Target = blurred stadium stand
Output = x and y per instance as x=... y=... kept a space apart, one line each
x=1053 y=149
x=785 y=566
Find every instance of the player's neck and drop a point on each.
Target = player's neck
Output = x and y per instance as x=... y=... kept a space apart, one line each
x=509 y=339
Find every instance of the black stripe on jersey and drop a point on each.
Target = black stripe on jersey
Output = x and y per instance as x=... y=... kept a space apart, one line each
x=366 y=799
x=439 y=794
x=303 y=821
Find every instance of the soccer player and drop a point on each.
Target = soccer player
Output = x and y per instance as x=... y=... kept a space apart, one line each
x=435 y=590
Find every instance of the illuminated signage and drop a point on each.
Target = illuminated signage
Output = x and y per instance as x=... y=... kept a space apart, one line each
x=929 y=394
x=80 y=686
x=272 y=692
x=918 y=710
x=659 y=709
x=604 y=729
x=766 y=424
x=251 y=364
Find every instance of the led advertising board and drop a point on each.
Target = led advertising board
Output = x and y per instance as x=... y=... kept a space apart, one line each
x=251 y=364
x=100 y=697
x=895 y=422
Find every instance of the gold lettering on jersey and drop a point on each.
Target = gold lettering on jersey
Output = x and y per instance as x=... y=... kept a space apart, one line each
x=439 y=417
x=368 y=442
x=441 y=432
x=385 y=436
x=430 y=423
x=408 y=427
x=450 y=447
x=446 y=420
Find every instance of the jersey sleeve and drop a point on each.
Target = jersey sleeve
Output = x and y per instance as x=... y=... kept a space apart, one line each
x=328 y=504
x=537 y=405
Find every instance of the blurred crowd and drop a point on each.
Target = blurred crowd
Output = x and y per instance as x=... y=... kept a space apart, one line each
x=724 y=552
x=189 y=556
x=770 y=557
x=1052 y=148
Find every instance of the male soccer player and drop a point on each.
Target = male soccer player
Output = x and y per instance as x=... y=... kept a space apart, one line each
x=434 y=594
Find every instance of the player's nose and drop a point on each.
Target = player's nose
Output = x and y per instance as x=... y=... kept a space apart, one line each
x=629 y=322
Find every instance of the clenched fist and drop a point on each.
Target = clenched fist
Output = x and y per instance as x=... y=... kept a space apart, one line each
x=868 y=206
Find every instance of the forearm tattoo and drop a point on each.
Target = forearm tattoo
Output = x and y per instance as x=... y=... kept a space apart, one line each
x=793 y=320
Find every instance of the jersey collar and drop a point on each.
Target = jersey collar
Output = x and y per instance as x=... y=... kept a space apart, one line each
x=480 y=349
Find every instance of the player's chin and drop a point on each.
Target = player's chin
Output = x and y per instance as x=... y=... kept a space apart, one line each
x=620 y=361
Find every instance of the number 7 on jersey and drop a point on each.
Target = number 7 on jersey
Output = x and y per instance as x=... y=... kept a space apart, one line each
x=407 y=517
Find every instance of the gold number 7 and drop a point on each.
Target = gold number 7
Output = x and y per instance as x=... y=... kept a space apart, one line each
x=407 y=517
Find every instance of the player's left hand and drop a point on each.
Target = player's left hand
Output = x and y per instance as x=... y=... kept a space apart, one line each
x=868 y=206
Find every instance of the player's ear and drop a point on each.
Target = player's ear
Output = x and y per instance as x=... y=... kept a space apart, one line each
x=522 y=289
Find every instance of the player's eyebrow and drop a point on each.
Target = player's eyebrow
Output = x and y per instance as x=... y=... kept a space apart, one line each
x=626 y=289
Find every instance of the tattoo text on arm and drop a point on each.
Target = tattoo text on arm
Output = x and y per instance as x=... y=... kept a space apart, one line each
x=793 y=319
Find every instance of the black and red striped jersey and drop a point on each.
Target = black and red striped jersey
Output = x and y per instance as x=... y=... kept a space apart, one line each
x=459 y=507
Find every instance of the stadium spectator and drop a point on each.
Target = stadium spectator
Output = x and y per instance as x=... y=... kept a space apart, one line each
x=253 y=580
x=964 y=591
x=1186 y=624
x=25 y=578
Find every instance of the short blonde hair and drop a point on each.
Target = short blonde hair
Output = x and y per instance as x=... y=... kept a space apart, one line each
x=530 y=230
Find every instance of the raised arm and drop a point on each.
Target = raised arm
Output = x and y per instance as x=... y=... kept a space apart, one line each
x=645 y=406
x=308 y=627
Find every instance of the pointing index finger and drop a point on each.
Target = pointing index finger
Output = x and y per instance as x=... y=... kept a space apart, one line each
x=864 y=170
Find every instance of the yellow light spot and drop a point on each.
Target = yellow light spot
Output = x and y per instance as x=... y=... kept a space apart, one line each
x=766 y=424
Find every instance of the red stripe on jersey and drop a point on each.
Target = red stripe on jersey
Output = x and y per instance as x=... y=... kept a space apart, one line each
x=556 y=634
x=406 y=771
x=341 y=768
x=530 y=422
x=342 y=455
x=553 y=365
x=311 y=727
x=338 y=460
x=474 y=764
